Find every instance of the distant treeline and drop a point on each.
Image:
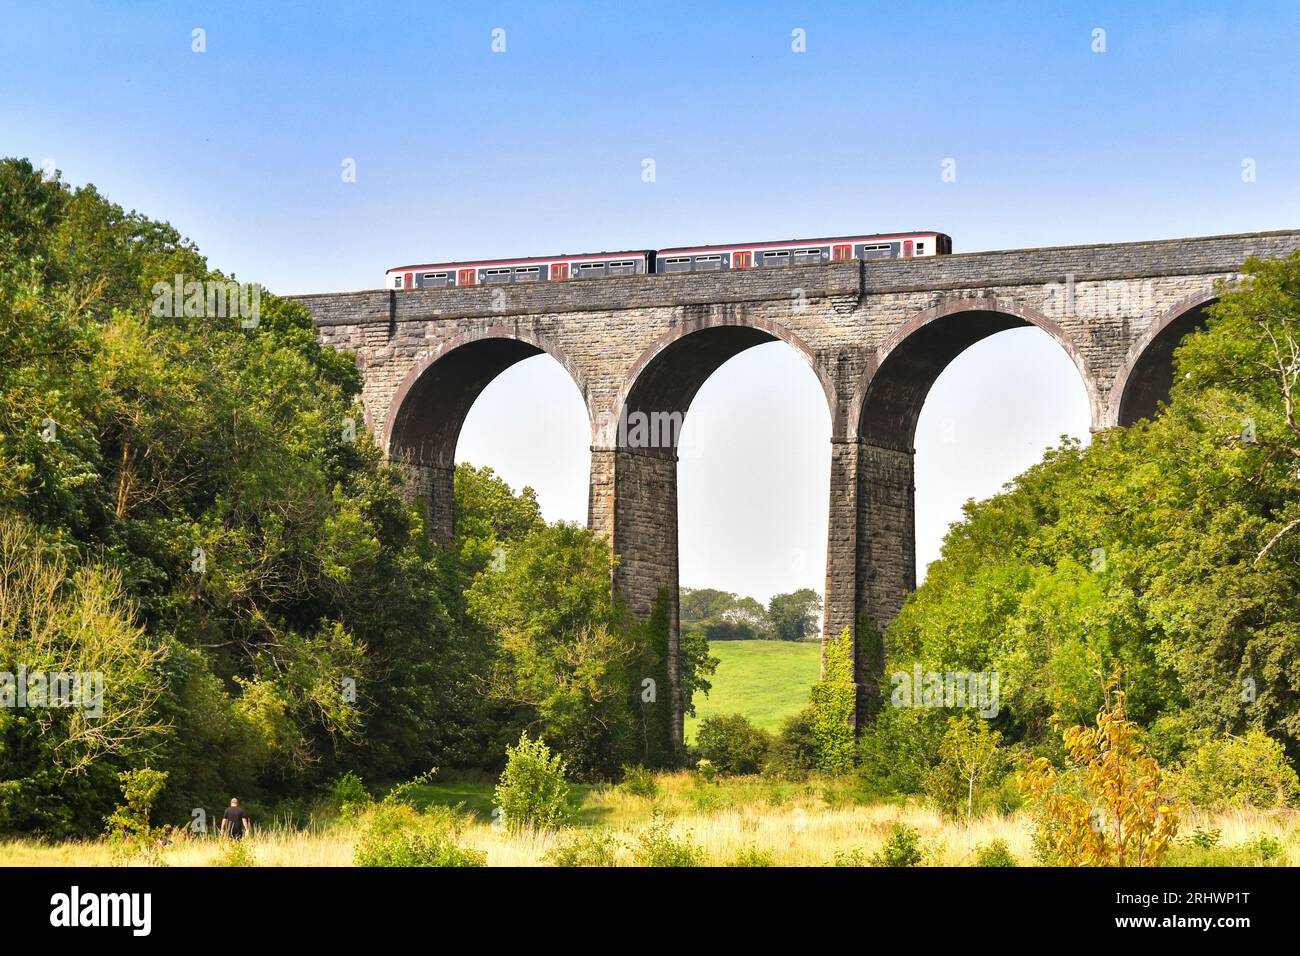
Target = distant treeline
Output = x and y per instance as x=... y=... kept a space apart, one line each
x=723 y=616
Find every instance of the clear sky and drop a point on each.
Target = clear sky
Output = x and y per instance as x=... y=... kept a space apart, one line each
x=461 y=152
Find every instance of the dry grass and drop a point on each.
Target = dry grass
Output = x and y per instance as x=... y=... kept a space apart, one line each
x=792 y=824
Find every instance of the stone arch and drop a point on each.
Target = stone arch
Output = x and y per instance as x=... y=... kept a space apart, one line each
x=453 y=375
x=664 y=381
x=894 y=387
x=667 y=374
x=1147 y=375
x=429 y=407
x=871 y=564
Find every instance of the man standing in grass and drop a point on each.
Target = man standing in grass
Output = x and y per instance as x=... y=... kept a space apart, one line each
x=235 y=821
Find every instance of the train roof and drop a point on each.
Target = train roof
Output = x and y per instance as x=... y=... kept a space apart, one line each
x=488 y=262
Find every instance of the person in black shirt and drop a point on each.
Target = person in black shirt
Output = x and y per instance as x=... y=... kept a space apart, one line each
x=234 y=822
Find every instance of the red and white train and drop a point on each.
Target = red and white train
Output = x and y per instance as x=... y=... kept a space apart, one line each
x=750 y=255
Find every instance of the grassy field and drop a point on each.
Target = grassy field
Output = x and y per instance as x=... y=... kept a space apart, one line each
x=766 y=681
x=804 y=824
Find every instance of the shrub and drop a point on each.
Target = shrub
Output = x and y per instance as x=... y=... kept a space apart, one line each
x=903 y=848
x=587 y=848
x=639 y=782
x=1109 y=809
x=896 y=752
x=1205 y=839
x=397 y=835
x=833 y=701
x=1262 y=851
x=236 y=853
x=348 y=795
x=532 y=791
x=732 y=744
x=129 y=829
x=753 y=856
x=793 y=751
x=1233 y=772
x=995 y=853
x=971 y=763
x=705 y=771
x=656 y=846
x=854 y=857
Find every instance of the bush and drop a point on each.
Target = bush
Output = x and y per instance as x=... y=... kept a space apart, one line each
x=903 y=848
x=639 y=782
x=129 y=829
x=236 y=853
x=1235 y=772
x=532 y=791
x=587 y=848
x=753 y=856
x=793 y=752
x=732 y=744
x=854 y=857
x=397 y=835
x=833 y=701
x=1262 y=851
x=971 y=765
x=1109 y=808
x=348 y=795
x=656 y=846
x=995 y=853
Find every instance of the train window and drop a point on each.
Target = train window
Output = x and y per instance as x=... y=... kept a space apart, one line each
x=397 y=282
x=591 y=269
x=920 y=248
x=708 y=262
x=625 y=268
x=676 y=264
x=777 y=258
x=804 y=256
x=496 y=275
x=528 y=274
x=879 y=251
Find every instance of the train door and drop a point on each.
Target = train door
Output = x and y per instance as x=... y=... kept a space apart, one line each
x=907 y=248
x=407 y=280
x=560 y=270
x=841 y=253
x=741 y=260
x=466 y=277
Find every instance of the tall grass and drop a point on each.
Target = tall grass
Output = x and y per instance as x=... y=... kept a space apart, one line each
x=791 y=824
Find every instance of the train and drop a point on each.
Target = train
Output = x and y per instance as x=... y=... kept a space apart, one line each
x=743 y=255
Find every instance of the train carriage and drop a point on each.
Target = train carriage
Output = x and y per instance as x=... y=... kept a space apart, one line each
x=798 y=252
x=528 y=269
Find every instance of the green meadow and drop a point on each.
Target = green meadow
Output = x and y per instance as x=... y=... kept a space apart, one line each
x=766 y=681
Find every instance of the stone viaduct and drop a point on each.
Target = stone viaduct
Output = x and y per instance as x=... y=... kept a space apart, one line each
x=875 y=334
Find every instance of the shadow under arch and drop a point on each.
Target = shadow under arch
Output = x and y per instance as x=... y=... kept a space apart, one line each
x=431 y=403
x=1147 y=375
x=661 y=386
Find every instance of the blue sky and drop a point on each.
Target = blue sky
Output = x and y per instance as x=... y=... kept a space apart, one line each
x=463 y=152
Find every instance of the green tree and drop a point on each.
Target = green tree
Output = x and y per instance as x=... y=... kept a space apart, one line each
x=793 y=617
